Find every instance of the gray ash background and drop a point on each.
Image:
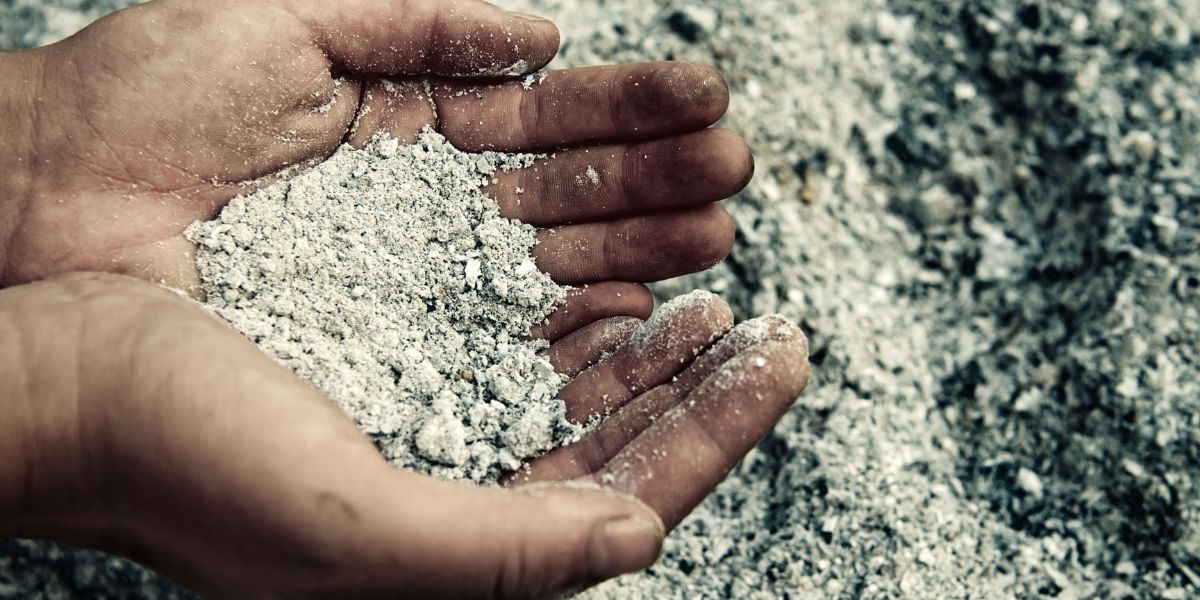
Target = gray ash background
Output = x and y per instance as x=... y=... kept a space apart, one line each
x=987 y=216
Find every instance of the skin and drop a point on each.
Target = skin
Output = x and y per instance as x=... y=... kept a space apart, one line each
x=137 y=423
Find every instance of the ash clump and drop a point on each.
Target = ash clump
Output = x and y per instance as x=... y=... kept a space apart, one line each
x=388 y=279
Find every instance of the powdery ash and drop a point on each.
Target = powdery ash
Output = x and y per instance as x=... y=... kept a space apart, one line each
x=388 y=279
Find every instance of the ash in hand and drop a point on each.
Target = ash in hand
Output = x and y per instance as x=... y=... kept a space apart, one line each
x=389 y=280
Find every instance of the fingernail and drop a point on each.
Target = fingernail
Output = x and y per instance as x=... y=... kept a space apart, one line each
x=528 y=17
x=624 y=545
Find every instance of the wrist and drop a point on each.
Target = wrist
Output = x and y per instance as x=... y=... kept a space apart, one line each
x=22 y=72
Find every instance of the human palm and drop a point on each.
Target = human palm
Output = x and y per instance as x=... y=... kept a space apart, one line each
x=158 y=115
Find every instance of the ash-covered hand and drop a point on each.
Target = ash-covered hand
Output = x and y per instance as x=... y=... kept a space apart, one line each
x=138 y=423
x=156 y=116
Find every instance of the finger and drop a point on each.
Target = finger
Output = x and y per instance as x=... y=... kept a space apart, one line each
x=583 y=348
x=593 y=302
x=679 y=459
x=583 y=106
x=385 y=533
x=644 y=249
x=664 y=346
x=599 y=446
x=613 y=181
x=440 y=37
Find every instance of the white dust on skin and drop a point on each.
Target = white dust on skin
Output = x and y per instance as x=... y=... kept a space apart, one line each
x=385 y=277
x=722 y=363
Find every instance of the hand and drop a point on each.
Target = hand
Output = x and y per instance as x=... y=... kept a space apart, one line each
x=158 y=115
x=138 y=423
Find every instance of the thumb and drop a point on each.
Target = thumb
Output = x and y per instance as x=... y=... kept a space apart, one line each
x=431 y=538
x=560 y=538
x=438 y=37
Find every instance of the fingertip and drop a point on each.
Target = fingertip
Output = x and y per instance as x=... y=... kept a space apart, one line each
x=542 y=39
x=695 y=239
x=778 y=365
x=694 y=94
x=720 y=311
x=734 y=162
x=700 y=88
x=625 y=545
x=625 y=534
x=703 y=88
x=724 y=313
x=711 y=93
x=802 y=342
x=544 y=539
x=699 y=315
x=639 y=301
x=545 y=36
x=704 y=166
x=518 y=46
x=720 y=232
x=791 y=346
x=741 y=338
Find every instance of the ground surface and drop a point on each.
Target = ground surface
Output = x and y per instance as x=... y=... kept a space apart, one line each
x=986 y=214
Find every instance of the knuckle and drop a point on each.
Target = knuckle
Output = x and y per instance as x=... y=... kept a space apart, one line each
x=517 y=575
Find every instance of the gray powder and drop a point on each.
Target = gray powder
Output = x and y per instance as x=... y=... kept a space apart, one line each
x=388 y=279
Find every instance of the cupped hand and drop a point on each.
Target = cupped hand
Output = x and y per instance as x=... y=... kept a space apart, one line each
x=156 y=431
x=156 y=116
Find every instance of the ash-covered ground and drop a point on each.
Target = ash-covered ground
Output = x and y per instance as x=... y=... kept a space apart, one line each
x=986 y=214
